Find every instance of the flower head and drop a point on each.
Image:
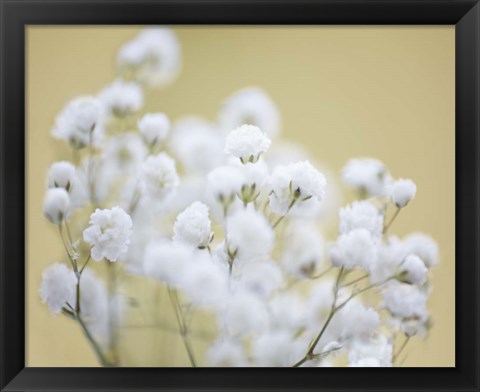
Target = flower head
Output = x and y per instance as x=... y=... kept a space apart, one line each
x=297 y=182
x=56 y=205
x=355 y=249
x=247 y=142
x=154 y=127
x=405 y=301
x=77 y=123
x=423 y=246
x=361 y=214
x=413 y=271
x=122 y=98
x=193 y=226
x=225 y=182
x=368 y=176
x=250 y=106
x=58 y=286
x=109 y=233
x=402 y=192
x=249 y=234
x=226 y=353
x=159 y=176
x=61 y=175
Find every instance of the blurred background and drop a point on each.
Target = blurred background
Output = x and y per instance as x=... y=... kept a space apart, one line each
x=343 y=92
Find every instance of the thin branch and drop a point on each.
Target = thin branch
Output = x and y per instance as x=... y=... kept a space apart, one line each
x=387 y=226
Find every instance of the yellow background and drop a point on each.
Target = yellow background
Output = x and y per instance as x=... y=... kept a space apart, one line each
x=385 y=92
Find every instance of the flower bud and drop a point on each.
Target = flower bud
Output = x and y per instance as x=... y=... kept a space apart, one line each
x=402 y=192
x=61 y=175
x=56 y=205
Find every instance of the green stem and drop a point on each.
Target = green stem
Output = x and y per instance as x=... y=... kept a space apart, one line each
x=111 y=322
x=355 y=280
x=96 y=347
x=292 y=203
x=85 y=264
x=396 y=355
x=386 y=227
x=182 y=326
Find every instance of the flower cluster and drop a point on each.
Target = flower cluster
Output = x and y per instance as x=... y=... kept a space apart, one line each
x=228 y=223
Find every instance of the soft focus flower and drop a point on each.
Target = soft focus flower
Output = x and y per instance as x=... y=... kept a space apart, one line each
x=56 y=205
x=390 y=255
x=61 y=175
x=153 y=57
x=402 y=192
x=124 y=154
x=154 y=128
x=108 y=233
x=193 y=226
x=122 y=98
x=292 y=183
x=361 y=215
x=355 y=249
x=245 y=314
x=303 y=249
x=250 y=106
x=249 y=234
x=225 y=182
x=423 y=246
x=226 y=353
x=368 y=176
x=373 y=353
x=405 y=300
x=58 y=286
x=413 y=271
x=261 y=277
x=277 y=349
x=197 y=145
x=355 y=321
x=159 y=176
x=168 y=261
x=247 y=142
x=77 y=122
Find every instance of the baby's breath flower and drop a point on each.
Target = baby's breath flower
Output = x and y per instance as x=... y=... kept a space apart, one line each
x=193 y=226
x=249 y=234
x=245 y=314
x=76 y=124
x=405 y=300
x=367 y=176
x=225 y=182
x=159 y=176
x=355 y=249
x=402 y=192
x=261 y=277
x=123 y=154
x=361 y=214
x=226 y=353
x=413 y=271
x=58 y=286
x=295 y=183
x=56 y=205
x=122 y=98
x=277 y=349
x=61 y=175
x=154 y=128
x=372 y=353
x=108 y=233
x=423 y=246
x=247 y=142
x=250 y=106
x=153 y=57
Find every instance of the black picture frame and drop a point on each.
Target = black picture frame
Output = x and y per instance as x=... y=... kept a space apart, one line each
x=16 y=15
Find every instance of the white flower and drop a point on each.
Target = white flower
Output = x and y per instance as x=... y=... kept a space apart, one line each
x=361 y=215
x=250 y=106
x=61 y=175
x=159 y=176
x=197 y=145
x=261 y=277
x=423 y=246
x=154 y=127
x=402 y=192
x=245 y=314
x=225 y=182
x=254 y=177
x=153 y=56
x=357 y=248
x=390 y=255
x=413 y=270
x=405 y=300
x=295 y=183
x=58 y=286
x=108 y=233
x=122 y=98
x=367 y=175
x=226 y=353
x=373 y=353
x=277 y=349
x=124 y=154
x=287 y=311
x=205 y=282
x=56 y=205
x=77 y=123
x=355 y=321
x=303 y=249
x=193 y=226
x=249 y=234
x=247 y=142
x=168 y=261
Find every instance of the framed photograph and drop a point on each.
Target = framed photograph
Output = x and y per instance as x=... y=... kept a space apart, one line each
x=198 y=194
